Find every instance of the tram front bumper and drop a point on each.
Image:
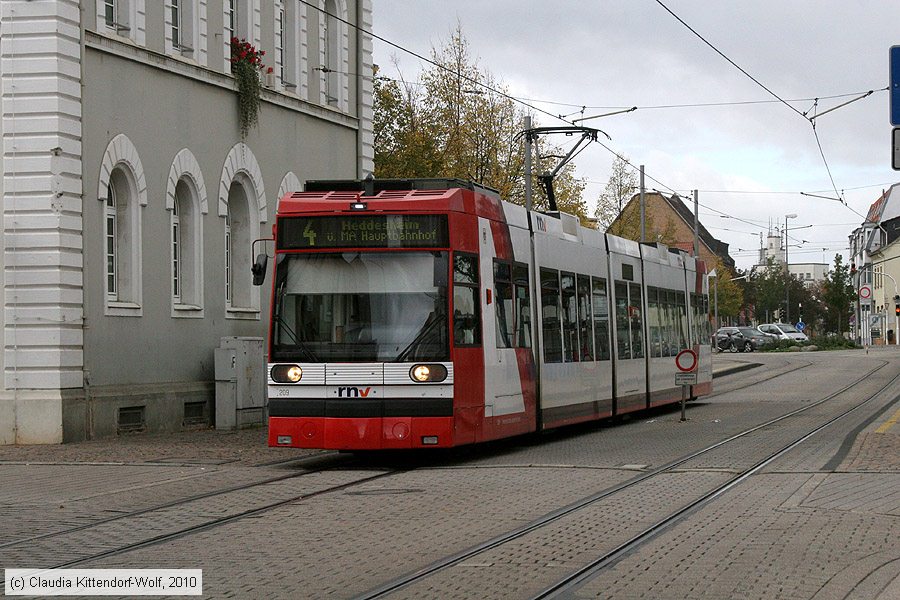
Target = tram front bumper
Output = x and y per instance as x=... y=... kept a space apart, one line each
x=363 y=433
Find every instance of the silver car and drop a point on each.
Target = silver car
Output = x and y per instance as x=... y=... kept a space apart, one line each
x=783 y=331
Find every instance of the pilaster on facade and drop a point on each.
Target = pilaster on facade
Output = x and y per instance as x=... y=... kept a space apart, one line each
x=42 y=208
x=365 y=91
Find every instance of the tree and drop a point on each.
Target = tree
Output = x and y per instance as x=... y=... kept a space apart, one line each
x=459 y=122
x=837 y=295
x=769 y=282
x=622 y=185
x=729 y=292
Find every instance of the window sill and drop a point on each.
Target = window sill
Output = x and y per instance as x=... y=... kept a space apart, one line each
x=187 y=311
x=123 y=309
x=247 y=314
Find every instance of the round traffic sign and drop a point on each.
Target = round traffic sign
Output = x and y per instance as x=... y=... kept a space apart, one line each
x=865 y=292
x=801 y=326
x=686 y=361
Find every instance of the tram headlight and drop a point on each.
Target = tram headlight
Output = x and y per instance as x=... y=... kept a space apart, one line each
x=428 y=373
x=286 y=373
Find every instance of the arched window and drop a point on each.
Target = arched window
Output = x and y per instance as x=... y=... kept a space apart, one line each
x=228 y=285
x=122 y=228
x=238 y=238
x=112 y=288
x=123 y=191
x=186 y=203
x=242 y=205
x=176 y=253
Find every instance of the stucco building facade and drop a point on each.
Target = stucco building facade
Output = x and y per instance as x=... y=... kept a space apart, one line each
x=131 y=199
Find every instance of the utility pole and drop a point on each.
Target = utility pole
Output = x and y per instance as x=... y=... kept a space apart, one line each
x=643 y=210
x=697 y=231
x=528 y=200
x=787 y=269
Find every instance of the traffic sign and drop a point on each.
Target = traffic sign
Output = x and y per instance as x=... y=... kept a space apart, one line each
x=894 y=61
x=800 y=326
x=865 y=292
x=685 y=379
x=686 y=361
x=895 y=149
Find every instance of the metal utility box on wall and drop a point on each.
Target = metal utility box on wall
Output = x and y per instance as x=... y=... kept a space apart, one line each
x=240 y=382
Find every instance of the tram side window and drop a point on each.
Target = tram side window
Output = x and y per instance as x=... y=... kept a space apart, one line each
x=706 y=321
x=570 y=317
x=585 y=328
x=695 y=318
x=504 y=304
x=671 y=320
x=601 y=318
x=523 y=306
x=682 y=320
x=550 y=316
x=623 y=335
x=466 y=313
x=637 y=322
x=653 y=329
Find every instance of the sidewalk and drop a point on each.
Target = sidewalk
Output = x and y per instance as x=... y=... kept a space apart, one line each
x=728 y=364
x=245 y=448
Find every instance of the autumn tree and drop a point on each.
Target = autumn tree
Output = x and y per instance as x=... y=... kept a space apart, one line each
x=622 y=185
x=458 y=121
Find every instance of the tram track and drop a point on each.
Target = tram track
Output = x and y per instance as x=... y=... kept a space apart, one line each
x=60 y=540
x=180 y=501
x=755 y=381
x=595 y=566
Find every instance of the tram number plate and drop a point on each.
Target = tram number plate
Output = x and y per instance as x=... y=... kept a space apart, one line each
x=685 y=379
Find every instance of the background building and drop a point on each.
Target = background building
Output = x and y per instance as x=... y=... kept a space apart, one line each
x=130 y=199
x=669 y=220
x=870 y=254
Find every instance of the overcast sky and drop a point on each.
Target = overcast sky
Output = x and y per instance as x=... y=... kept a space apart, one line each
x=749 y=161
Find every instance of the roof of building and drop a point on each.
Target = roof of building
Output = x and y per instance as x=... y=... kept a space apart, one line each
x=717 y=247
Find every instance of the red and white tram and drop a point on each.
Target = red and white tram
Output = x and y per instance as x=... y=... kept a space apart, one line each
x=430 y=313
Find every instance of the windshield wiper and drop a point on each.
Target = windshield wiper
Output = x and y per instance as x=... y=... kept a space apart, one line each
x=426 y=331
x=304 y=349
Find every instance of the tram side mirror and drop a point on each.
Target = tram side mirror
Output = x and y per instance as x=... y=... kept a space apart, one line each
x=259 y=269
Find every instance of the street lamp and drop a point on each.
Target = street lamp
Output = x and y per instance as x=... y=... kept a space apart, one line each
x=787 y=267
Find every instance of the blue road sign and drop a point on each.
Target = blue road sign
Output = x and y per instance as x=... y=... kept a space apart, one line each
x=895 y=84
x=800 y=326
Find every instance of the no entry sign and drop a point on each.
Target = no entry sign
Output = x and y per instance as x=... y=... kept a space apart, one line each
x=686 y=361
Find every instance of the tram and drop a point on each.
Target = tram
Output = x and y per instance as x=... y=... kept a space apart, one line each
x=431 y=313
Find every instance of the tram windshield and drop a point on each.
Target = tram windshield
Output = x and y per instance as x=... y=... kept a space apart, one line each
x=361 y=306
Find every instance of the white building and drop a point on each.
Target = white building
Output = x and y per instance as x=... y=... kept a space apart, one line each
x=809 y=273
x=130 y=198
x=773 y=248
x=867 y=244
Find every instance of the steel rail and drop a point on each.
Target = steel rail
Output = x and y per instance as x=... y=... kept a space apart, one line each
x=451 y=560
x=180 y=501
x=591 y=570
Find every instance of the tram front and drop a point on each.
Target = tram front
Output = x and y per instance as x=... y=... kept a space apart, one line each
x=359 y=344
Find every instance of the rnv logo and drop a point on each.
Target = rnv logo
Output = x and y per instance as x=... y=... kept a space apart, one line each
x=353 y=392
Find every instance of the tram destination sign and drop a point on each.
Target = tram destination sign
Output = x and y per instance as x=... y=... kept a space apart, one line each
x=363 y=231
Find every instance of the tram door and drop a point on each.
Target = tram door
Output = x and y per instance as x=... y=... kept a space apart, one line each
x=629 y=340
x=509 y=373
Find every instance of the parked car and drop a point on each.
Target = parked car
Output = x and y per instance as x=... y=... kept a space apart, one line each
x=741 y=339
x=783 y=331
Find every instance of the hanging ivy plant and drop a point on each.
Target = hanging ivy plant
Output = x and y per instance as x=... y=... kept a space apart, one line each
x=246 y=65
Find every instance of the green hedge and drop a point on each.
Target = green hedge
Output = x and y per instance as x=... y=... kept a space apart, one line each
x=829 y=342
